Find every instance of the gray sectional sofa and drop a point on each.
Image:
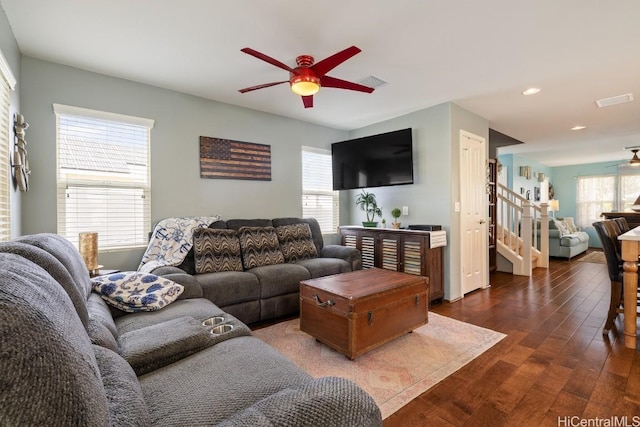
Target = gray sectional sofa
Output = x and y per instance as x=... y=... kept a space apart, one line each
x=263 y=292
x=69 y=359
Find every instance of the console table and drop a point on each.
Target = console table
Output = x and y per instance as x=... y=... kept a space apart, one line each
x=407 y=251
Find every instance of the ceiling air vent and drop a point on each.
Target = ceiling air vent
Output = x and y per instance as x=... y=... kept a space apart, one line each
x=372 y=81
x=620 y=99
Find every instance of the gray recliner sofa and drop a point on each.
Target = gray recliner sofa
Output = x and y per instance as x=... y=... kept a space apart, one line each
x=68 y=359
x=268 y=291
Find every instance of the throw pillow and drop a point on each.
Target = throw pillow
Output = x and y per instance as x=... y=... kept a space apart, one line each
x=259 y=247
x=296 y=242
x=568 y=221
x=562 y=228
x=216 y=250
x=133 y=291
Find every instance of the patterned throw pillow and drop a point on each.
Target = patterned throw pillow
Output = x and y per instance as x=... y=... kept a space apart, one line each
x=562 y=227
x=216 y=250
x=568 y=221
x=296 y=242
x=259 y=246
x=133 y=291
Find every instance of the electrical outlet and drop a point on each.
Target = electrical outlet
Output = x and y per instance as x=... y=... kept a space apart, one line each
x=405 y=210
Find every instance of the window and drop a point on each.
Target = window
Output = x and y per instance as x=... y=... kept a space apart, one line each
x=7 y=83
x=319 y=201
x=103 y=176
x=605 y=193
x=629 y=191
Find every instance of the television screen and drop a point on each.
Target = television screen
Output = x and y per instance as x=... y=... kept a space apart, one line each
x=373 y=161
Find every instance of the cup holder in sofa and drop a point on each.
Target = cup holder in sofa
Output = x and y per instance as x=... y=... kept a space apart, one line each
x=212 y=321
x=221 y=329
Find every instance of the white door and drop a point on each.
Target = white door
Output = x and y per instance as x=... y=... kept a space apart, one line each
x=473 y=212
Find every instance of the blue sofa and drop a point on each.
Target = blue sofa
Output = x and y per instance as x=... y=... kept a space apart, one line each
x=564 y=242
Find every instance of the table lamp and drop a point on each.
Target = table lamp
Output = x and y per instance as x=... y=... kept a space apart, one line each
x=554 y=206
x=88 y=245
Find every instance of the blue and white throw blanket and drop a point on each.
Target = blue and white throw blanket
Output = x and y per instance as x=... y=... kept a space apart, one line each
x=171 y=240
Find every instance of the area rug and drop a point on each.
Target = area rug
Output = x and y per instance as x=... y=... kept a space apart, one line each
x=397 y=372
x=595 y=257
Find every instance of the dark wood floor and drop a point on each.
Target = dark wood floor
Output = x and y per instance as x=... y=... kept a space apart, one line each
x=555 y=362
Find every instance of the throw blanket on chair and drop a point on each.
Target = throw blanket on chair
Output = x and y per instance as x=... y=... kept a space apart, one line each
x=171 y=240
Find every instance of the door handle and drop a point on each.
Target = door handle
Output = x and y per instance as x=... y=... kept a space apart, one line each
x=482 y=221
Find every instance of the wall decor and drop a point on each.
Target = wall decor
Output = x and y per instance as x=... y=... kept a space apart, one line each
x=525 y=172
x=20 y=164
x=228 y=159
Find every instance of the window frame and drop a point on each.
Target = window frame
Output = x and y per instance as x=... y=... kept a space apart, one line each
x=328 y=191
x=7 y=86
x=596 y=207
x=123 y=199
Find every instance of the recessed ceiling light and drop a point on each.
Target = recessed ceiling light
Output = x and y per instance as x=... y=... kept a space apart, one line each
x=531 y=91
x=578 y=127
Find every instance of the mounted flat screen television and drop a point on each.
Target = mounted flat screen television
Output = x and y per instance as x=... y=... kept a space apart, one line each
x=373 y=161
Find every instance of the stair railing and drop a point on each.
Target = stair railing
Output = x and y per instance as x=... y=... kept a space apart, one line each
x=523 y=231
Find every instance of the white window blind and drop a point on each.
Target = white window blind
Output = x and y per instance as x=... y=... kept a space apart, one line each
x=629 y=191
x=319 y=201
x=606 y=193
x=103 y=176
x=7 y=83
x=595 y=195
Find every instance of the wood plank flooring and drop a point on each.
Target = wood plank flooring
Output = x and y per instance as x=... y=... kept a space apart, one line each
x=555 y=361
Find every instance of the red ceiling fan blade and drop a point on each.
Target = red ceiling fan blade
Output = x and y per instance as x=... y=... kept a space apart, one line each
x=307 y=101
x=323 y=67
x=266 y=58
x=327 y=81
x=262 y=86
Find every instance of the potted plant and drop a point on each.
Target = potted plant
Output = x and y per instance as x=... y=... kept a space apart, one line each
x=367 y=203
x=395 y=213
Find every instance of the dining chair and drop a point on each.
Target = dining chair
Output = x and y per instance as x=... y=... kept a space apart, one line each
x=608 y=231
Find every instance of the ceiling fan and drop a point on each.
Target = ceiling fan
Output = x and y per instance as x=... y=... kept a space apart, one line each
x=307 y=78
x=634 y=161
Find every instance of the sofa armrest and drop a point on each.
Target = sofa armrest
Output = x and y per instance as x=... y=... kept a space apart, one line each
x=349 y=254
x=155 y=346
x=192 y=288
x=329 y=402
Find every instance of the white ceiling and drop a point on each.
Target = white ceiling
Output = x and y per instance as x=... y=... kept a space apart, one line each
x=478 y=54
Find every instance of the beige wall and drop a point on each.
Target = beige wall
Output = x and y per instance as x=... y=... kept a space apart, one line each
x=180 y=119
x=431 y=198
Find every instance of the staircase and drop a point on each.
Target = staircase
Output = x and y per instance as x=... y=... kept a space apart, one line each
x=517 y=225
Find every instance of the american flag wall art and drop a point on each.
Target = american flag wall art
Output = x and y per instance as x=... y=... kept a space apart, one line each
x=228 y=159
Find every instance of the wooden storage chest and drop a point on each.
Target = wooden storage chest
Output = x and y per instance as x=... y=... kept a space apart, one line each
x=357 y=311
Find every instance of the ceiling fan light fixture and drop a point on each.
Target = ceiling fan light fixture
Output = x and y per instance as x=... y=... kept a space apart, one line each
x=635 y=161
x=305 y=85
